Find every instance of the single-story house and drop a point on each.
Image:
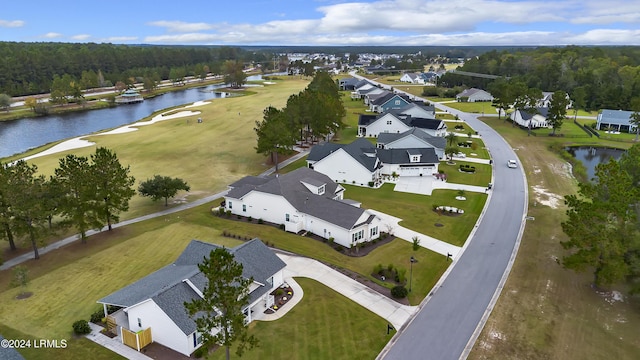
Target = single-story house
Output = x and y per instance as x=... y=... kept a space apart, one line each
x=389 y=122
x=304 y=200
x=412 y=139
x=616 y=120
x=367 y=93
x=156 y=302
x=360 y=159
x=530 y=119
x=474 y=95
x=417 y=109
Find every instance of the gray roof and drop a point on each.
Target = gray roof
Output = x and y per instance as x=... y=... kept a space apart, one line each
x=366 y=119
x=249 y=180
x=422 y=123
x=436 y=141
x=401 y=156
x=7 y=353
x=356 y=149
x=167 y=287
x=291 y=188
x=621 y=117
x=528 y=115
x=321 y=151
x=419 y=104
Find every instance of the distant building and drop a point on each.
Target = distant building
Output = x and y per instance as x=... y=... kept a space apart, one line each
x=130 y=96
x=474 y=95
x=616 y=120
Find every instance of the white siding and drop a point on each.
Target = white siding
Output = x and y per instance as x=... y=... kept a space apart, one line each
x=326 y=229
x=342 y=167
x=259 y=205
x=163 y=330
x=386 y=124
x=412 y=142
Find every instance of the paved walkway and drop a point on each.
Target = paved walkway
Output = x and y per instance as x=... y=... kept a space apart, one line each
x=114 y=344
x=395 y=313
x=426 y=241
x=298 y=294
x=426 y=184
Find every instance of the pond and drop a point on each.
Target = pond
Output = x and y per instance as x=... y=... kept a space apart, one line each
x=592 y=156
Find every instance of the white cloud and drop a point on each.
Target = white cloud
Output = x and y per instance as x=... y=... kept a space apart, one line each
x=11 y=23
x=52 y=35
x=81 y=37
x=423 y=22
x=117 y=39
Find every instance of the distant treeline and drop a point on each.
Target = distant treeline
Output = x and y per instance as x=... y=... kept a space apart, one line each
x=609 y=75
x=29 y=68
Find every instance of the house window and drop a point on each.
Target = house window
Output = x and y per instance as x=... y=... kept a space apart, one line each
x=244 y=207
x=374 y=231
x=321 y=190
x=389 y=122
x=270 y=281
x=414 y=158
x=197 y=339
x=397 y=102
x=139 y=323
x=230 y=204
x=286 y=217
x=357 y=236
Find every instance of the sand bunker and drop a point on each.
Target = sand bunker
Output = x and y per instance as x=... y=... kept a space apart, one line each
x=547 y=198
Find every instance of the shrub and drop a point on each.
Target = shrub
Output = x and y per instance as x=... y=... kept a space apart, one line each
x=399 y=292
x=390 y=267
x=228 y=213
x=97 y=316
x=402 y=276
x=279 y=292
x=250 y=219
x=378 y=269
x=239 y=217
x=282 y=227
x=81 y=327
x=200 y=352
x=331 y=240
x=370 y=183
x=260 y=221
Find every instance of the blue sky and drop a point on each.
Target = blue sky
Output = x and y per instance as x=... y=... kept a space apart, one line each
x=325 y=22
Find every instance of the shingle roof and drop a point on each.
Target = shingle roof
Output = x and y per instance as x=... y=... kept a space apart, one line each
x=291 y=188
x=366 y=119
x=401 y=156
x=321 y=151
x=528 y=115
x=423 y=123
x=436 y=141
x=166 y=287
x=621 y=117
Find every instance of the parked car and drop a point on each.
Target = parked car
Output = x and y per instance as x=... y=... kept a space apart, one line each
x=512 y=164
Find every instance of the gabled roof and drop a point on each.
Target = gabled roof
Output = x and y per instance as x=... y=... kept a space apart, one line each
x=415 y=105
x=387 y=97
x=401 y=156
x=356 y=149
x=423 y=123
x=528 y=115
x=621 y=117
x=167 y=287
x=291 y=188
x=435 y=141
x=366 y=119
x=472 y=91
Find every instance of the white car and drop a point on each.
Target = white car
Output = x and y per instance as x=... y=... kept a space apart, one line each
x=512 y=164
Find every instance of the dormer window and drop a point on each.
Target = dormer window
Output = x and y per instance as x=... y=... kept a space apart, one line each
x=321 y=190
x=415 y=158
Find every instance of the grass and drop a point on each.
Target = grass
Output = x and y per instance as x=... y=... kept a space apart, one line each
x=324 y=325
x=481 y=177
x=546 y=311
x=206 y=155
x=416 y=210
x=76 y=348
x=474 y=107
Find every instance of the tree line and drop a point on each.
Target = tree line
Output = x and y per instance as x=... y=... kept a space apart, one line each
x=30 y=68
x=313 y=114
x=605 y=77
x=85 y=193
x=603 y=224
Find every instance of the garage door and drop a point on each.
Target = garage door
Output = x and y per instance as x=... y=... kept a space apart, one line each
x=409 y=171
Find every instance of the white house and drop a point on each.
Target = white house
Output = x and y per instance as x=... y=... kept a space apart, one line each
x=413 y=139
x=412 y=78
x=361 y=160
x=304 y=200
x=387 y=102
x=530 y=119
x=156 y=301
x=616 y=120
x=474 y=95
x=391 y=122
x=418 y=110
x=354 y=163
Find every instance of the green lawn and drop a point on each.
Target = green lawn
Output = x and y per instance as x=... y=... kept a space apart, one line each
x=417 y=210
x=474 y=107
x=76 y=348
x=481 y=177
x=324 y=325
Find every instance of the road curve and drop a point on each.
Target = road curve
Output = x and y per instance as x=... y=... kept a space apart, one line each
x=453 y=314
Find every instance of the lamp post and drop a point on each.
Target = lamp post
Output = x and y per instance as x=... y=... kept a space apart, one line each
x=412 y=260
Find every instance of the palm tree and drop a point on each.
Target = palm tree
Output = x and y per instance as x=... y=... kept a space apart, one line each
x=452 y=139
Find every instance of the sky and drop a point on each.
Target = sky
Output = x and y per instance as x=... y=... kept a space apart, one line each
x=325 y=22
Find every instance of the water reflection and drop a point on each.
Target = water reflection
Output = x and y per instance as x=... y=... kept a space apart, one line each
x=592 y=156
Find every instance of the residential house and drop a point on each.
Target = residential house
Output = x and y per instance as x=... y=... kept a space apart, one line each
x=362 y=160
x=352 y=163
x=304 y=200
x=547 y=96
x=412 y=78
x=418 y=109
x=367 y=93
x=530 y=119
x=474 y=95
x=615 y=120
x=389 y=101
x=413 y=139
x=390 y=122
x=156 y=301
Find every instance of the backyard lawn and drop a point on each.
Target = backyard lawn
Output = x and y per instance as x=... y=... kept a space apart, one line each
x=481 y=176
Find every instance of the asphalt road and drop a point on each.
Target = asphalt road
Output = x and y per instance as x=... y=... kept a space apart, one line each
x=452 y=316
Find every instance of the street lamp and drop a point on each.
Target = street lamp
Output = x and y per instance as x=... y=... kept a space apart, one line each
x=412 y=260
